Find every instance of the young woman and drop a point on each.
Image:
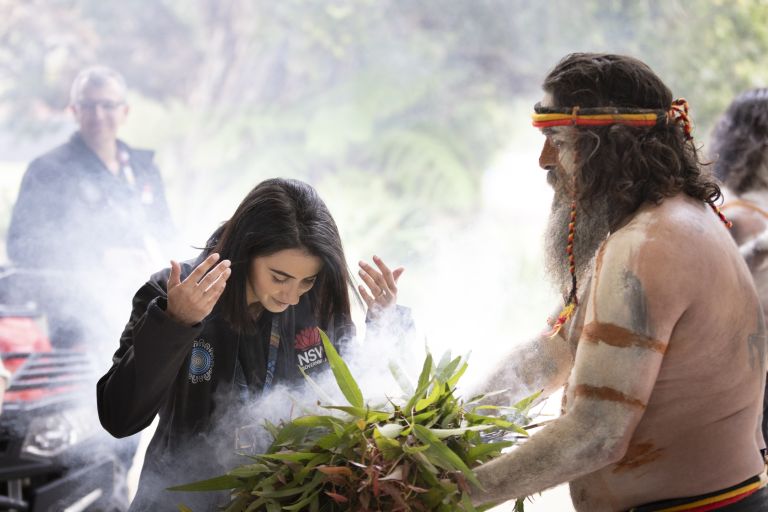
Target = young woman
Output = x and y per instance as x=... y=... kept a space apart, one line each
x=239 y=319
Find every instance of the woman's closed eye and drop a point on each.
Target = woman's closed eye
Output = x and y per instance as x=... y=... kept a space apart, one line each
x=279 y=279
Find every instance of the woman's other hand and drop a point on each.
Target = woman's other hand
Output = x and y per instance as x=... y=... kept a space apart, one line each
x=191 y=300
x=381 y=292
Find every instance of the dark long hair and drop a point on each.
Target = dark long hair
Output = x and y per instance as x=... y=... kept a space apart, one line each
x=627 y=165
x=740 y=142
x=281 y=214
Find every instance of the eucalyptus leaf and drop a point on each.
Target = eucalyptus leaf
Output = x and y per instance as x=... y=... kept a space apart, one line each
x=481 y=451
x=434 y=395
x=219 y=483
x=444 y=433
x=390 y=430
x=290 y=456
x=402 y=380
x=525 y=404
x=344 y=379
x=362 y=413
x=249 y=470
x=444 y=453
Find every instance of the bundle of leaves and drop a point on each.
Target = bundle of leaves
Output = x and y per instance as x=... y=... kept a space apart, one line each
x=416 y=455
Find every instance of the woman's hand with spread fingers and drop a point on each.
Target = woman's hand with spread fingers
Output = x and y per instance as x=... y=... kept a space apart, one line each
x=381 y=283
x=191 y=300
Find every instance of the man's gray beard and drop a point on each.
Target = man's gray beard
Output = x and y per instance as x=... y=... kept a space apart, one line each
x=591 y=230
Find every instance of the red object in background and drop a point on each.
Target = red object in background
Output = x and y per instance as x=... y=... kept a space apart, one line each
x=21 y=334
x=21 y=337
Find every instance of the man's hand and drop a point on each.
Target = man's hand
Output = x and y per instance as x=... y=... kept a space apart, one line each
x=190 y=301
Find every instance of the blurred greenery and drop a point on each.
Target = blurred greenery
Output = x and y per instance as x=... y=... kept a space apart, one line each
x=395 y=110
x=407 y=98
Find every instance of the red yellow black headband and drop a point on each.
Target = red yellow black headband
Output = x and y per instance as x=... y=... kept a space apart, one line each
x=548 y=117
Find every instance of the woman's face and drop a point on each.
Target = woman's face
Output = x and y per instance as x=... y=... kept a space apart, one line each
x=280 y=279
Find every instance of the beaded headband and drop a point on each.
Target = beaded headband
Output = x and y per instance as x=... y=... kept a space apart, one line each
x=547 y=117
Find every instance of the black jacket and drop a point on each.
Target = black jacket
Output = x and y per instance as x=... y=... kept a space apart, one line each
x=72 y=219
x=71 y=209
x=190 y=376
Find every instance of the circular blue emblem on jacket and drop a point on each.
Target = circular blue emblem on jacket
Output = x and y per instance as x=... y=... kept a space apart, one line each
x=201 y=362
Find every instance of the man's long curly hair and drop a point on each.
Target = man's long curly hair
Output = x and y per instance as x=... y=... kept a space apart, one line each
x=740 y=143
x=626 y=165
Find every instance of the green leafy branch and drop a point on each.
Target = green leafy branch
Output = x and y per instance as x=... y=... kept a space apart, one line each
x=415 y=456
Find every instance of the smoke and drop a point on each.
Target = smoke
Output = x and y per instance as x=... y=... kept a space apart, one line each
x=369 y=358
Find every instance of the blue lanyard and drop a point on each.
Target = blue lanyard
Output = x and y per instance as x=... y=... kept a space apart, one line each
x=274 y=343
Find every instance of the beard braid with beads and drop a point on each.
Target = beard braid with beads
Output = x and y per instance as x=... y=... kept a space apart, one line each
x=590 y=230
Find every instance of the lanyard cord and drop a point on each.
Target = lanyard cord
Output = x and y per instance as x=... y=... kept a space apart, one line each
x=274 y=343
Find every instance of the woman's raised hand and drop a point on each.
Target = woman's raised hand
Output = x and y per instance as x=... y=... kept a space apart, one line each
x=191 y=300
x=381 y=283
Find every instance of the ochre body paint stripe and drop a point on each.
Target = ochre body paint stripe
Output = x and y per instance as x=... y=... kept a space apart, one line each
x=606 y=393
x=616 y=336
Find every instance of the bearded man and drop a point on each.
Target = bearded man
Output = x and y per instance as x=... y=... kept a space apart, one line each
x=662 y=339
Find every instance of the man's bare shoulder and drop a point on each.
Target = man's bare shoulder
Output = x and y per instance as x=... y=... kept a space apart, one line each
x=663 y=247
x=675 y=228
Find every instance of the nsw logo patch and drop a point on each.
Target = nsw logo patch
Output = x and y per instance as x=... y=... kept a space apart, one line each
x=201 y=363
x=309 y=348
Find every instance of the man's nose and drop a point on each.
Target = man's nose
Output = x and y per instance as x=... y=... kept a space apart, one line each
x=548 y=159
x=100 y=111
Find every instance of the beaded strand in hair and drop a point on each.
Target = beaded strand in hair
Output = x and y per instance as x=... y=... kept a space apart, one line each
x=720 y=214
x=572 y=301
x=678 y=113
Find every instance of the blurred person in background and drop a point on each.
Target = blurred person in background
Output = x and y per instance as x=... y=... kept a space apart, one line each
x=207 y=337
x=90 y=214
x=90 y=219
x=740 y=149
x=661 y=344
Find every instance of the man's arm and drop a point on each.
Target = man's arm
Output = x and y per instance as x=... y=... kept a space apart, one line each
x=32 y=238
x=618 y=358
x=539 y=365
